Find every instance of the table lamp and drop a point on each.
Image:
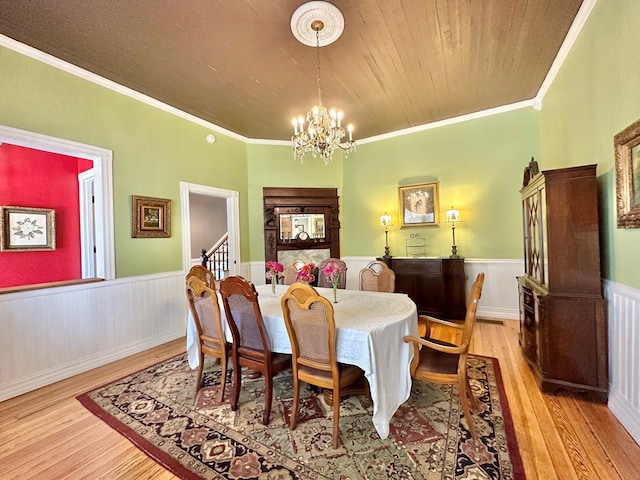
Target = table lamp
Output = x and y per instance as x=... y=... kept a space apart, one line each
x=385 y=222
x=453 y=216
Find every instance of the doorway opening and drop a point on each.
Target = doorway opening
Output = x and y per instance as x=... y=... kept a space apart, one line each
x=230 y=197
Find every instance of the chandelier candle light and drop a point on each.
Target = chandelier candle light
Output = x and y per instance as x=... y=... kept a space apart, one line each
x=322 y=131
x=453 y=216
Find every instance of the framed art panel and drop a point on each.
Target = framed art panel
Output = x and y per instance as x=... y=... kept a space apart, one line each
x=418 y=205
x=627 y=149
x=150 y=217
x=27 y=228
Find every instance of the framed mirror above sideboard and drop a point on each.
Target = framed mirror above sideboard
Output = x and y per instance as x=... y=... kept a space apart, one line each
x=301 y=223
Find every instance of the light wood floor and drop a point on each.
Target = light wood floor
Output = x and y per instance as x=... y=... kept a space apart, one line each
x=47 y=434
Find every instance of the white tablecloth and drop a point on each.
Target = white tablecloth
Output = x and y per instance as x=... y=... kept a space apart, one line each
x=370 y=328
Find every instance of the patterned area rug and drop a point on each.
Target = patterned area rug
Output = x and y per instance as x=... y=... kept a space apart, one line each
x=202 y=438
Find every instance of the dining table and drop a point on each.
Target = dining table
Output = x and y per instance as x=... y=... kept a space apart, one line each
x=370 y=327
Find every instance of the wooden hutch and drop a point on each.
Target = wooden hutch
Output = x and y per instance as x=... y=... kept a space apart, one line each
x=563 y=331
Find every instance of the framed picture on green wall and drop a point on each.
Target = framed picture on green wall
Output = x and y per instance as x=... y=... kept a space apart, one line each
x=150 y=217
x=418 y=205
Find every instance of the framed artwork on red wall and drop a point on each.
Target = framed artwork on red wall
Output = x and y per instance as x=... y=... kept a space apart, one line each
x=27 y=228
x=150 y=217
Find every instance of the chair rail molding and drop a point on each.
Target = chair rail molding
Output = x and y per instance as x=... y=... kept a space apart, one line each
x=499 y=294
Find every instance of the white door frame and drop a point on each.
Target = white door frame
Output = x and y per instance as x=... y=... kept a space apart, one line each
x=87 y=223
x=103 y=187
x=233 y=222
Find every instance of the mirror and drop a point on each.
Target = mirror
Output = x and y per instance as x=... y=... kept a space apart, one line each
x=302 y=226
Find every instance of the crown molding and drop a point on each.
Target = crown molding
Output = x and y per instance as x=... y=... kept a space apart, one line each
x=573 y=34
x=536 y=102
x=116 y=87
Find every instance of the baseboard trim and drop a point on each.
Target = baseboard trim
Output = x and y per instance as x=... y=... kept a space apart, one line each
x=501 y=313
x=628 y=416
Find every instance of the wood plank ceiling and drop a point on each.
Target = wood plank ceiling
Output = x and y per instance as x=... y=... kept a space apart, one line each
x=398 y=64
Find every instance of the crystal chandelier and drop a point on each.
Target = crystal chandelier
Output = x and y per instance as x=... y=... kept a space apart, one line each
x=322 y=131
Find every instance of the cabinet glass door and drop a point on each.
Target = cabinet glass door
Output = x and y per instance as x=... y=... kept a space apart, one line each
x=534 y=235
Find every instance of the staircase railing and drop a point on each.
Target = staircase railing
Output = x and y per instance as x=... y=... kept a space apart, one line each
x=216 y=258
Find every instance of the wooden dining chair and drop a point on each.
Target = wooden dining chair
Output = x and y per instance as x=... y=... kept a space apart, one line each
x=204 y=274
x=444 y=363
x=377 y=277
x=290 y=274
x=312 y=333
x=322 y=279
x=251 y=343
x=203 y=303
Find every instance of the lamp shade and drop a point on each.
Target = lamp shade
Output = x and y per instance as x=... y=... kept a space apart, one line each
x=385 y=220
x=453 y=216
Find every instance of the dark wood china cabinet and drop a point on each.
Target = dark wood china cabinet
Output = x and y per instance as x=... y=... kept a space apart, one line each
x=563 y=331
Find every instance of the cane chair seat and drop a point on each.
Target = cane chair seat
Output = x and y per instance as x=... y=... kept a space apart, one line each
x=203 y=303
x=377 y=277
x=445 y=363
x=312 y=332
x=290 y=274
x=342 y=276
x=251 y=343
x=204 y=274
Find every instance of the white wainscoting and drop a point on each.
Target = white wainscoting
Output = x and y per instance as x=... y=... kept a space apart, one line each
x=54 y=333
x=623 y=308
x=499 y=293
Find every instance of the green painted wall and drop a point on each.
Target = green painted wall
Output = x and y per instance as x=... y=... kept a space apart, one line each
x=478 y=165
x=594 y=96
x=152 y=150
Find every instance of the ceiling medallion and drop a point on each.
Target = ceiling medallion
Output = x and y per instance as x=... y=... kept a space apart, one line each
x=319 y=24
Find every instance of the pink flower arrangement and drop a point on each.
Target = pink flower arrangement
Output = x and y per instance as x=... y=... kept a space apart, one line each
x=274 y=269
x=305 y=274
x=332 y=273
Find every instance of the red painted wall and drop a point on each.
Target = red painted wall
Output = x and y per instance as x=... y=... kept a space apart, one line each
x=33 y=178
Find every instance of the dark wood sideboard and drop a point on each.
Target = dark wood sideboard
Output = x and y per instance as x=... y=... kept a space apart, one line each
x=436 y=285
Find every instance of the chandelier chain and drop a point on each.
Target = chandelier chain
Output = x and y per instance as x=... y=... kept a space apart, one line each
x=318 y=65
x=321 y=131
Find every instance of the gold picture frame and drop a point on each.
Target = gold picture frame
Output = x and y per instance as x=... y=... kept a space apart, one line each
x=27 y=229
x=150 y=217
x=627 y=161
x=419 y=205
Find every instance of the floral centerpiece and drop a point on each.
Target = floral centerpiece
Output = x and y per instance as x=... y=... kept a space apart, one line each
x=305 y=275
x=274 y=269
x=332 y=274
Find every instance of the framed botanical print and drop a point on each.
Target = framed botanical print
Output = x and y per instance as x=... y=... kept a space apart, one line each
x=418 y=205
x=27 y=228
x=150 y=217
